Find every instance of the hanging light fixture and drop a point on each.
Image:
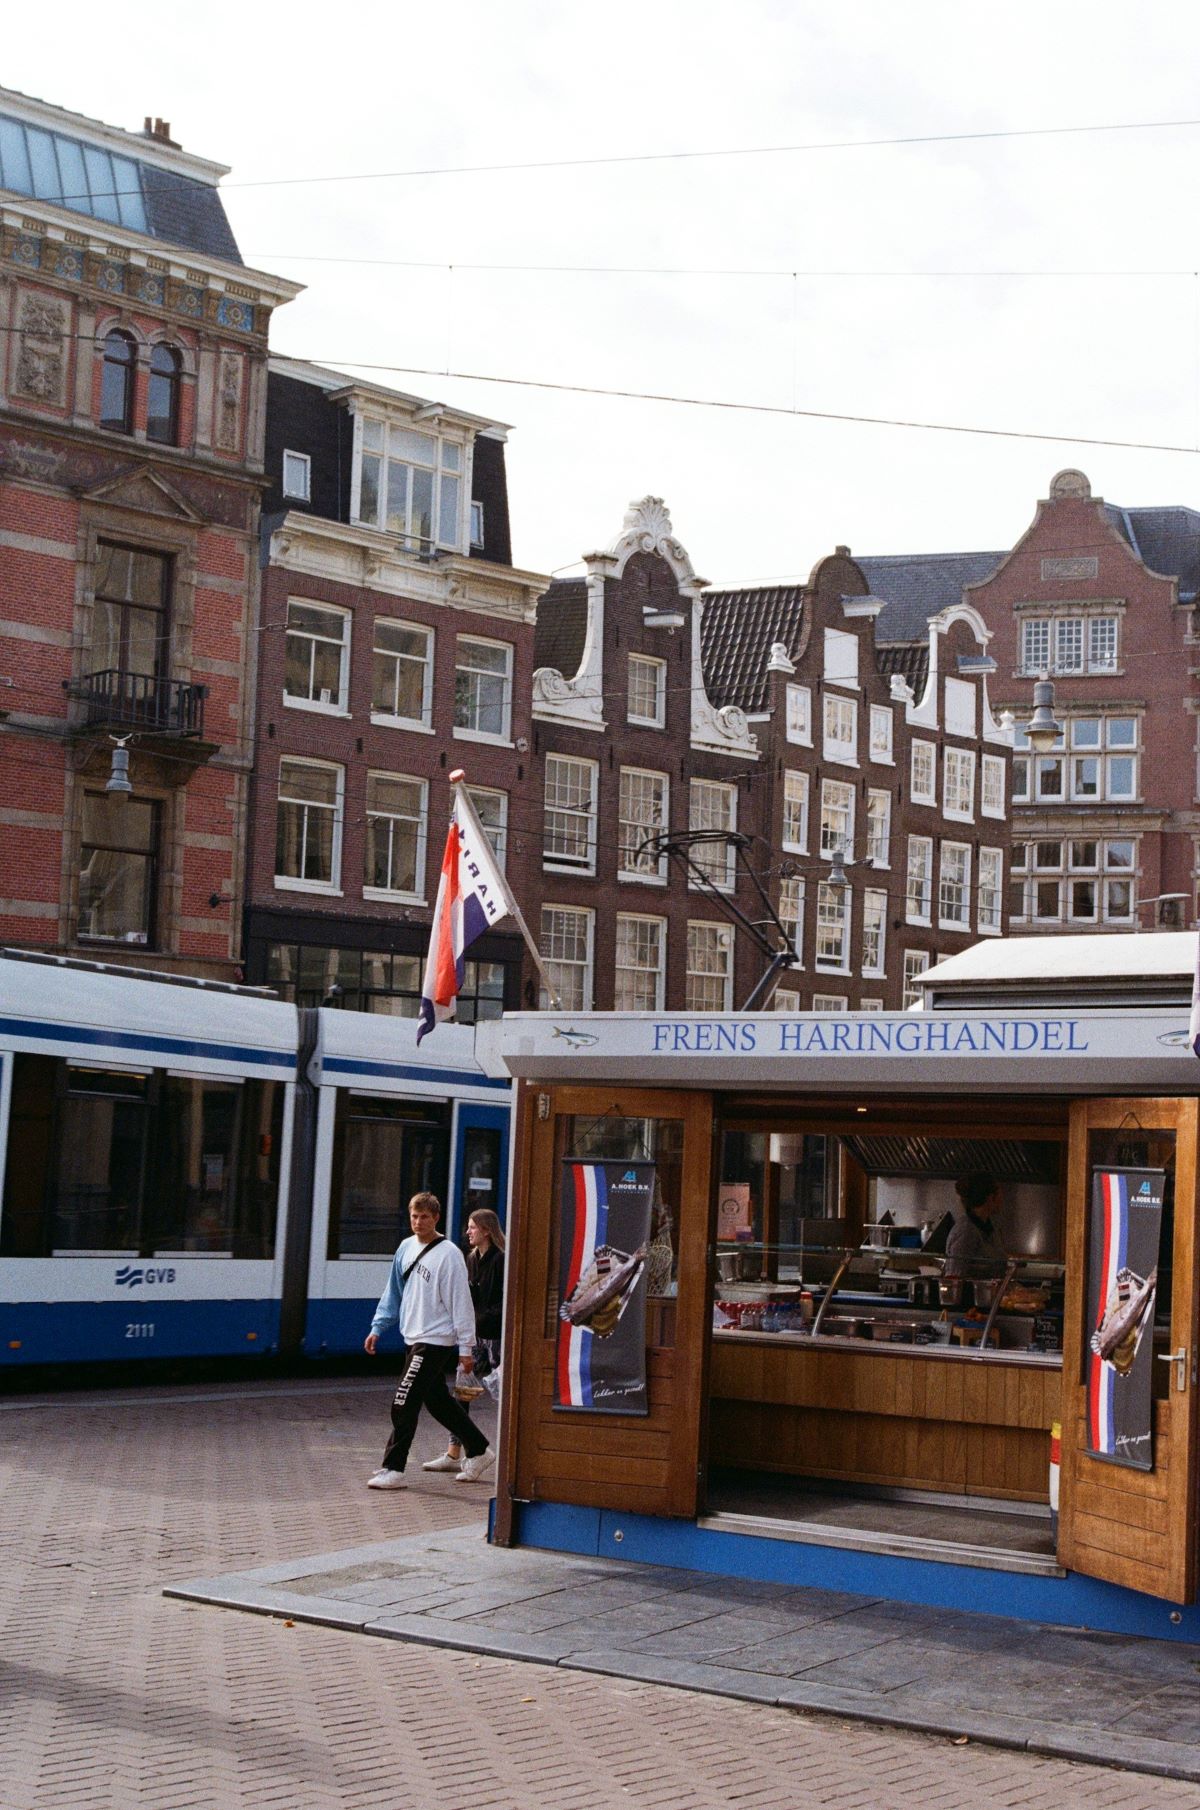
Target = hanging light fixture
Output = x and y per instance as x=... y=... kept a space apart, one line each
x=837 y=867
x=118 y=783
x=1042 y=728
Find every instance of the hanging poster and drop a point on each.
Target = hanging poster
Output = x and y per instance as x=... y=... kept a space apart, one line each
x=1122 y=1277
x=604 y=1236
x=735 y=1214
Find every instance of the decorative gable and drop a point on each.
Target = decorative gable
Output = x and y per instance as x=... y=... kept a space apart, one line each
x=144 y=491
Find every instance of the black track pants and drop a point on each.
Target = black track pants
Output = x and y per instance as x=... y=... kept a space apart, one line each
x=423 y=1385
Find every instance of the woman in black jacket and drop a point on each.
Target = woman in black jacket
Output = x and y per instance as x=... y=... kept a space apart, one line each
x=485 y=1273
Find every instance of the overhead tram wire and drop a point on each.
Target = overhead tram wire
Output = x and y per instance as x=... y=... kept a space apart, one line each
x=779 y=274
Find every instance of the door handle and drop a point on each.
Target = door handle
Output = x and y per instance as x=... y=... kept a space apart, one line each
x=1179 y=1359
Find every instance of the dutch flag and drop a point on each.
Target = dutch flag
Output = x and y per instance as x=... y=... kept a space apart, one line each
x=471 y=897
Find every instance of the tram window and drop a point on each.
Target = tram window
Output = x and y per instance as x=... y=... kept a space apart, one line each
x=30 y=1140
x=98 y=1179
x=217 y=1166
x=480 y=1186
x=384 y=1152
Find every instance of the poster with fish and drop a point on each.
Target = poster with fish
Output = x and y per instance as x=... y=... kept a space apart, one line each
x=600 y=1364
x=1122 y=1278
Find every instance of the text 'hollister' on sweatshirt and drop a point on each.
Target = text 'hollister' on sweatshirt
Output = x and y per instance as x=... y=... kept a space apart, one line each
x=434 y=1305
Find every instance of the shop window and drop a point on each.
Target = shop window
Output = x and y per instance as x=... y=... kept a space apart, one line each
x=923 y=771
x=771 y=1188
x=840 y=737
x=308 y=825
x=566 y=948
x=709 y=985
x=879 y=828
x=118 y=869
x=798 y=711
x=483 y=689
x=646 y=702
x=713 y=806
x=409 y=482
x=795 y=812
x=402 y=674
x=919 y=883
x=642 y=813
x=491 y=808
x=385 y=1150
x=162 y=406
x=316 y=657
x=394 y=845
x=569 y=840
x=958 y=784
x=837 y=817
x=916 y=961
x=118 y=377
x=791 y=913
x=641 y=950
x=882 y=725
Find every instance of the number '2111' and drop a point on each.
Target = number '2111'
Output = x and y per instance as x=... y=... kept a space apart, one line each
x=139 y=1329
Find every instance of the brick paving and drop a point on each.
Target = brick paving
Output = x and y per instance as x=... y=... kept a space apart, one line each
x=116 y=1698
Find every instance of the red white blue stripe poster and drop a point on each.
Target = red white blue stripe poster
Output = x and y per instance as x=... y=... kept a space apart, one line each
x=604 y=1234
x=1126 y=1221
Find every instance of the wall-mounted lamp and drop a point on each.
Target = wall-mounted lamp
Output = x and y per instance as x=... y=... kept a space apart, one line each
x=118 y=784
x=1042 y=728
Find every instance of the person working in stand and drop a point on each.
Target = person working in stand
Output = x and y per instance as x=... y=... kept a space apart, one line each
x=428 y=1293
x=973 y=1248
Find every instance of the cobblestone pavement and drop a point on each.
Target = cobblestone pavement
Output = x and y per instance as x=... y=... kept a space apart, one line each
x=116 y=1698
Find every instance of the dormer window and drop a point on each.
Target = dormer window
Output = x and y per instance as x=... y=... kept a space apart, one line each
x=409 y=482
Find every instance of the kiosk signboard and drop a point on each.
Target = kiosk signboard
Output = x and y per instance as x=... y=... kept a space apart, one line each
x=1126 y=1216
x=600 y=1361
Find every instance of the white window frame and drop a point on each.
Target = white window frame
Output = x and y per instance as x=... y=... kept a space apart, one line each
x=883 y=734
x=659 y=669
x=831 y=1002
x=585 y=968
x=798 y=714
x=296 y=476
x=919 y=867
x=584 y=776
x=833 y=910
x=923 y=786
x=654 y=872
x=989 y=909
x=1044 y=637
x=338 y=706
x=879 y=828
x=710 y=788
x=794 y=829
x=958 y=783
x=387 y=718
x=498 y=830
x=1036 y=644
x=870 y=1005
x=916 y=961
x=417 y=895
x=450 y=465
x=952 y=887
x=331 y=888
x=874 y=928
x=791 y=912
x=839 y=664
x=476 y=523
x=839 y=729
x=785 y=999
x=721 y=937
x=991 y=786
x=658 y=972
x=833 y=810
x=462 y=732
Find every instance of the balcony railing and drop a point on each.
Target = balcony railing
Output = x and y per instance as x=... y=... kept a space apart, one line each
x=134 y=700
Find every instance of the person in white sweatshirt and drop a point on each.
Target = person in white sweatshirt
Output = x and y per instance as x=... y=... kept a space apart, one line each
x=428 y=1293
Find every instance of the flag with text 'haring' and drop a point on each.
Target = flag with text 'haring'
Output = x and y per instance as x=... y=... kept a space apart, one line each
x=471 y=897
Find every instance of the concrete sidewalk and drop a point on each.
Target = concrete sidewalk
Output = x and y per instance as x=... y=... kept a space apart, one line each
x=1101 y=1698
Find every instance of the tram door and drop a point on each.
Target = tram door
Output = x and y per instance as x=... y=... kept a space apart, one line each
x=480 y=1165
x=1129 y=1411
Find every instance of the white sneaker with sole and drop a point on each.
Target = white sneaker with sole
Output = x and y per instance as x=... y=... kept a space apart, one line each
x=474 y=1470
x=387 y=1480
x=445 y=1463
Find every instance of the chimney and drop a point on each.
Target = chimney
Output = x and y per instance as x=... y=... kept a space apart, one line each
x=160 y=131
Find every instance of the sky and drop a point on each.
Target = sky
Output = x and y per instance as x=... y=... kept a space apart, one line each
x=1073 y=310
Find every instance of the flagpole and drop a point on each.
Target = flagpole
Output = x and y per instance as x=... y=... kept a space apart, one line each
x=463 y=797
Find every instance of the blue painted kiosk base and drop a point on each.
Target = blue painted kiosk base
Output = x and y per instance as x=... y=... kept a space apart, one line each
x=1072 y=1601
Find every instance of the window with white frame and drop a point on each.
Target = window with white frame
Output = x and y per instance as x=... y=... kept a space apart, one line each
x=991 y=880
x=482 y=689
x=791 y=912
x=840 y=739
x=841 y=657
x=410 y=482
x=316 y=656
x=569 y=840
x=958 y=783
x=566 y=948
x=923 y=773
x=954 y=886
x=882 y=729
x=308 y=825
x=491 y=808
x=1104 y=759
x=297 y=476
x=830 y=1002
x=709 y=968
x=919 y=883
x=833 y=927
x=785 y=999
x=1070 y=642
x=991 y=785
x=879 y=828
x=874 y=928
x=1076 y=881
x=394 y=845
x=837 y=816
x=870 y=1005
x=795 y=812
x=642 y=813
x=647 y=697
x=915 y=962
x=641 y=950
x=402 y=674
x=712 y=805
x=798 y=706
x=476 y=525
x=1040 y=778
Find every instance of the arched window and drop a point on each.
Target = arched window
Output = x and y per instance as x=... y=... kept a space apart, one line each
x=162 y=414
x=116 y=389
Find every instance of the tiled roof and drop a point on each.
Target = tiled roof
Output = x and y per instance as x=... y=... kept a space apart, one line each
x=1167 y=540
x=737 y=632
x=561 y=627
x=186 y=212
x=909 y=658
x=916 y=586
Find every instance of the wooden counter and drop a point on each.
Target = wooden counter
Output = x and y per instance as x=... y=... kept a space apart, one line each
x=914 y=1417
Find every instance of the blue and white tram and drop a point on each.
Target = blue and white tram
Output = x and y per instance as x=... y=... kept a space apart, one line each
x=191 y=1170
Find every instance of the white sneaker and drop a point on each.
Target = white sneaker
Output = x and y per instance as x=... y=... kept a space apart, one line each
x=474 y=1470
x=387 y=1480
x=445 y=1463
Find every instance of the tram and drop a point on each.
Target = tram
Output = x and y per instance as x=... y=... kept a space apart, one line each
x=192 y=1169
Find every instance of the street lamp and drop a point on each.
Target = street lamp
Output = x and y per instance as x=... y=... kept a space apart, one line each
x=1159 y=898
x=1042 y=728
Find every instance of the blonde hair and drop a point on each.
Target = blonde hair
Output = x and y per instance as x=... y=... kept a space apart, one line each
x=487 y=1222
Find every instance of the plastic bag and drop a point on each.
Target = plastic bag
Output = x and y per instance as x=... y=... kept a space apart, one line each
x=491 y=1383
x=467 y=1386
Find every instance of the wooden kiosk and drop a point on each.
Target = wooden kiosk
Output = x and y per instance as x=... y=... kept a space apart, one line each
x=820 y=1404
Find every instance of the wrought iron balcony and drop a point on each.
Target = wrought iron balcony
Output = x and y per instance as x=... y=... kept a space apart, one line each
x=134 y=700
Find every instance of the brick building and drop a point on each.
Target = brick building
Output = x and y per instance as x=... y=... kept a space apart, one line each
x=132 y=402
x=396 y=645
x=869 y=779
